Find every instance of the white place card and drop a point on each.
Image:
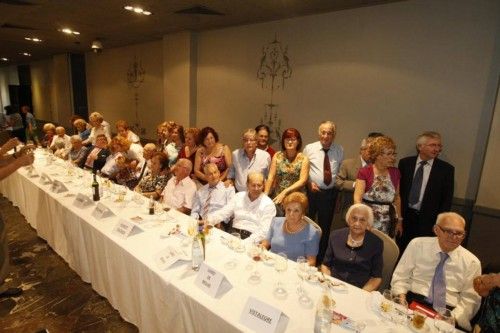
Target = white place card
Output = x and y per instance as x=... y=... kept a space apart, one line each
x=45 y=179
x=82 y=201
x=211 y=281
x=262 y=317
x=169 y=256
x=124 y=229
x=101 y=211
x=58 y=187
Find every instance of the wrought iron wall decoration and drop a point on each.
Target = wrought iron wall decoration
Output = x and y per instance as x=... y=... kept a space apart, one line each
x=135 y=77
x=274 y=69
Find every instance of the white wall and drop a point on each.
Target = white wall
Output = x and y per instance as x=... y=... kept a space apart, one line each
x=109 y=94
x=8 y=75
x=399 y=68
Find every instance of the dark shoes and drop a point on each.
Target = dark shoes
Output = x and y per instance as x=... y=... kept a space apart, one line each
x=11 y=292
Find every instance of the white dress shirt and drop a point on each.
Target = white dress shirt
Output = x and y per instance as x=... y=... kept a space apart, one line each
x=242 y=166
x=425 y=179
x=220 y=196
x=416 y=268
x=253 y=216
x=102 y=129
x=314 y=151
x=110 y=167
x=181 y=194
x=61 y=142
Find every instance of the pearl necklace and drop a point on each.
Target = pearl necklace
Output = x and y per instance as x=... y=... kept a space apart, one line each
x=353 y=242
x=296 y=231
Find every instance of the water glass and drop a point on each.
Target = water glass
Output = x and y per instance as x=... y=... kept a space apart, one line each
x=444 y=322
x=280 y=265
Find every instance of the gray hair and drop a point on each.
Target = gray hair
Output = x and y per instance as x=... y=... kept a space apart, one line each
x=255 y=175
x=330 y=124
x=209 y=166
x=449 y=215
x=185 y=163
x=75 y=138
x=364 y=209
x=422 y=138
x=249 y=131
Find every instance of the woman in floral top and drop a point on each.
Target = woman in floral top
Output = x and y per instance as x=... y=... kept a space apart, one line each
x=152 y=185
x=289 y=169
x=377 y=186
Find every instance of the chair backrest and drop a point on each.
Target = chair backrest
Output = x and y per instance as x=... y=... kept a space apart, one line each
x=390 y=255
x=314 y=224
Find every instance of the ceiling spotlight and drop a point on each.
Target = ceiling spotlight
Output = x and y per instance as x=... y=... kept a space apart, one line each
x=69 y=31
x=26 y=54
x=34 y=39
x=4 y=59
x=96 y=46
x=137 y=10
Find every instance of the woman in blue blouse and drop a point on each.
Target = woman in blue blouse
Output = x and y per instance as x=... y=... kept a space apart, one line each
x=293 y=234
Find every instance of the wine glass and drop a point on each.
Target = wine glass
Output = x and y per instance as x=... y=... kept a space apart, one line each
x=304 y=298
x=386 y=303
x=399 y=310
x=255 y=254
x=280 y=265
x=444 y=321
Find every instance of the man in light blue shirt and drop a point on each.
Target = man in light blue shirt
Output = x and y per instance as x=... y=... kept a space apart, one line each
x=325 y=158
x=213 y=195
x=248 y=159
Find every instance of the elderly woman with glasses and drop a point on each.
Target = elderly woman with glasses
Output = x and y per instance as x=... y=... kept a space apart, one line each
x=289 y=169
x=354 y=254
x=377 y=186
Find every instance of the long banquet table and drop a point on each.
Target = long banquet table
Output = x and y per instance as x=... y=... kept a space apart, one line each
x=124 y=270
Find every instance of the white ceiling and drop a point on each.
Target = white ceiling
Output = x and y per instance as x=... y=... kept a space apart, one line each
x=108 y=21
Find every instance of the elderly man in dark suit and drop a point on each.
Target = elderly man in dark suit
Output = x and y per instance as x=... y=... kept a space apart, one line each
x=426 y=188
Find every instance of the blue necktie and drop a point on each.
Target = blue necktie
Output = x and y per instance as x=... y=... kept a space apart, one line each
x=437 y=292
x=416 y=184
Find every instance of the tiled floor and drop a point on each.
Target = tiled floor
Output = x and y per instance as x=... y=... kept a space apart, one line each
x=54 y=297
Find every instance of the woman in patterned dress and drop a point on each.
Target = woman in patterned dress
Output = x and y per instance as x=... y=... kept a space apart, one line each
x=152 y=184
x=377 y=186
x=211 y=151
x=289 y=169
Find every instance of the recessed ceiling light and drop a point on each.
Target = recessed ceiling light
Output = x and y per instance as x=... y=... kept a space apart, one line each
x=137 y=10
x=4 y=59
x=26 y=54
x=33 y=39
x=69 y=31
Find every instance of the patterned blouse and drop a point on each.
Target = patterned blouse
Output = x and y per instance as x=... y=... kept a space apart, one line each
x=287 y=172
x=219 y=160
x=152 y=183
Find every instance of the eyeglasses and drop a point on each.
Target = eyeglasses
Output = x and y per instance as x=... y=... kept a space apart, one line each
x=452 y=233
x=291 y=139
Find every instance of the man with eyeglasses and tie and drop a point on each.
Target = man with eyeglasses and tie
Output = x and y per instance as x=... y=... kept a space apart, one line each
x=426 y=188
x=438 y=272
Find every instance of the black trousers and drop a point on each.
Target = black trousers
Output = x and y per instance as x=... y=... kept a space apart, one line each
x=322 y=206
x=414 y=225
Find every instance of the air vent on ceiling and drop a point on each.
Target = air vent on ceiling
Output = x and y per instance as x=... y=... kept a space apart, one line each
x=17 y=2
x=16 y=26
x=199 y=10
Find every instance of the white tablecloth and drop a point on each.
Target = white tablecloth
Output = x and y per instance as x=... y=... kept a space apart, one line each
x=124 y=270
